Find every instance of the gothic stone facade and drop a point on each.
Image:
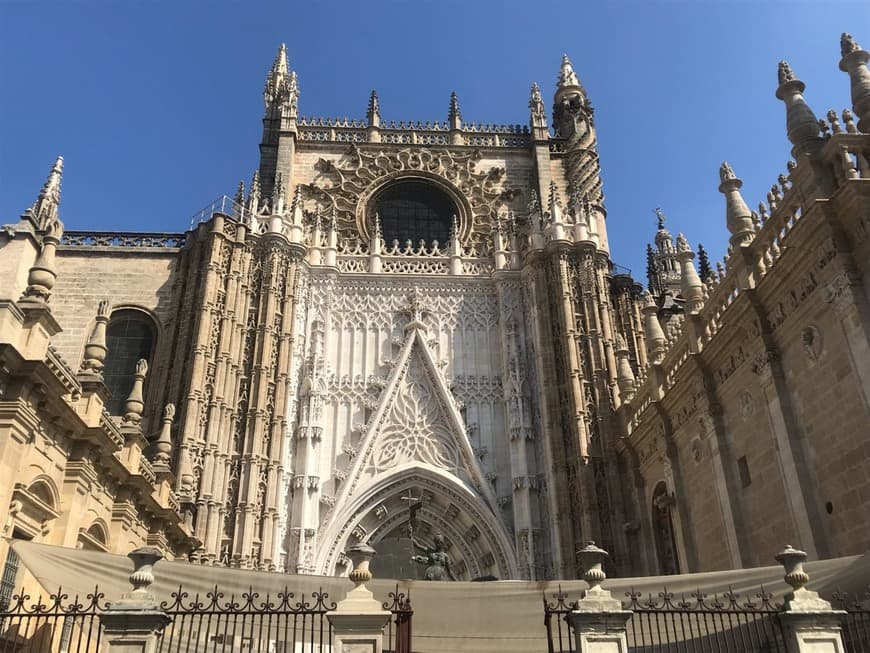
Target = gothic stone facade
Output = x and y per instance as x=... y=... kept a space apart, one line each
x=431 y=311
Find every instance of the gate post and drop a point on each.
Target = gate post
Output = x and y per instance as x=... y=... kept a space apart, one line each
x=358 y=621
x=809 y=623
x=135 y=623
x=599 y=619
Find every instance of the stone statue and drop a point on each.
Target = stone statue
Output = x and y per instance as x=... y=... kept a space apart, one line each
x=437 y=560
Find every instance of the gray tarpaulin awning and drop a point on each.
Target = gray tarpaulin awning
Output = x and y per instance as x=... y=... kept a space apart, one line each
x=497 y=617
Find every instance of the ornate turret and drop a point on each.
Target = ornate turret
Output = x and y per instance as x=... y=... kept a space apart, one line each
x=665 y=271
x=800 y=121
x=277 y=147
x=570 y=103
x=737 y=214
x=690 y=283
x=854 y=62
x=44 y=209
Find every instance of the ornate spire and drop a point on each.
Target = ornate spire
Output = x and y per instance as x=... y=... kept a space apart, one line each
x=738 y=217
x=690 y=283
x=705 y=269
x=801 y=124
x=373 y=114
x=554 y=204
x=567 y=77
x=240 y=194
x=281 y=90
x=454 y=115
x=278 y=195
x=45 y=208
x=652 y=273
x=854 y=62
x=135 y=404
x=537 y=114
x=254 y=194
x=95 y=349
x=163 y=445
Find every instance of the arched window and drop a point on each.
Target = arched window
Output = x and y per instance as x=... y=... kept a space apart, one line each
x=131 y=335
x=663 y=530
x=412 y=209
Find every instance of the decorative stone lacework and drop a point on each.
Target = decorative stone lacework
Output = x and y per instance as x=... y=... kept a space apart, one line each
x=347 y=185
x=478 y=389
x=414 y=427
x=144 y=240
x=364 y=306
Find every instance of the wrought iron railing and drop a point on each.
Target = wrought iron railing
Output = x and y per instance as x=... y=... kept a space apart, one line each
x=856 y=623
x=250 y=622
x=62 y=624
x=399 y=628
x=666 y=624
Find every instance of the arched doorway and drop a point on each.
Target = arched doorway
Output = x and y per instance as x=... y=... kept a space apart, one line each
x=476 y=541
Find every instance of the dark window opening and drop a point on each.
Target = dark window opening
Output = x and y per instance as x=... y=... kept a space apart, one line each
x=129 y=337
x=743 y=469
x=414 y=210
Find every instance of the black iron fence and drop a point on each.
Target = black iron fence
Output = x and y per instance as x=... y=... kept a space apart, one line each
x=668 y=624
x=398 y=635
x=251 y=622
x=214 y=623
x=61 y=624
x=856 y=623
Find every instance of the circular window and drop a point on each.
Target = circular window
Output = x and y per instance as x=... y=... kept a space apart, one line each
x=414 y=210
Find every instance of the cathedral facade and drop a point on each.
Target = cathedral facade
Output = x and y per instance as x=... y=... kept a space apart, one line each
x=427 y=314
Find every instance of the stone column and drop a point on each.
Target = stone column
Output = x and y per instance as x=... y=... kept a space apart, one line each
x=809 y=623
x=358 y=621
x=135 y=623
x=599 y=619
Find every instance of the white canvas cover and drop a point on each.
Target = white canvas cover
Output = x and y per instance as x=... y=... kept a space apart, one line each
x=490 y=617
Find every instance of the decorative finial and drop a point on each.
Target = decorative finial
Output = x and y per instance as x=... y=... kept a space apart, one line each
x=591 y=560
x=254 y=194
x=682 y=244
x=278 y=195
x=163 y=446
x=726 y=173
x=704 y=267
x=45 y=209
x=554 y=199
x=134 y=405
x=373 y=114
x=239 y=198
x=454 y=115
x=785 y=73
x=848 y=45
x=660 y=217
x=95 y=349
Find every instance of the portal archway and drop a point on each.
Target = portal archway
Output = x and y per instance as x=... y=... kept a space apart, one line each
x=477 y=541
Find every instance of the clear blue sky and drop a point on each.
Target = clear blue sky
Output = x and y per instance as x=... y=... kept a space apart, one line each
x=156 y=106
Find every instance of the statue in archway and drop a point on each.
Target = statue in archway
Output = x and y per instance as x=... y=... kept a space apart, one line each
x=436 y=559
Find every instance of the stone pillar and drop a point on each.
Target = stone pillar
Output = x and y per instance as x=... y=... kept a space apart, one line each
x=809 y=623
x=358 y=621
x=135 y=623
x=599 y=619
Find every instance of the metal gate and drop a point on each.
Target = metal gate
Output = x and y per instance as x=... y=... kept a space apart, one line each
x=398 y=635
